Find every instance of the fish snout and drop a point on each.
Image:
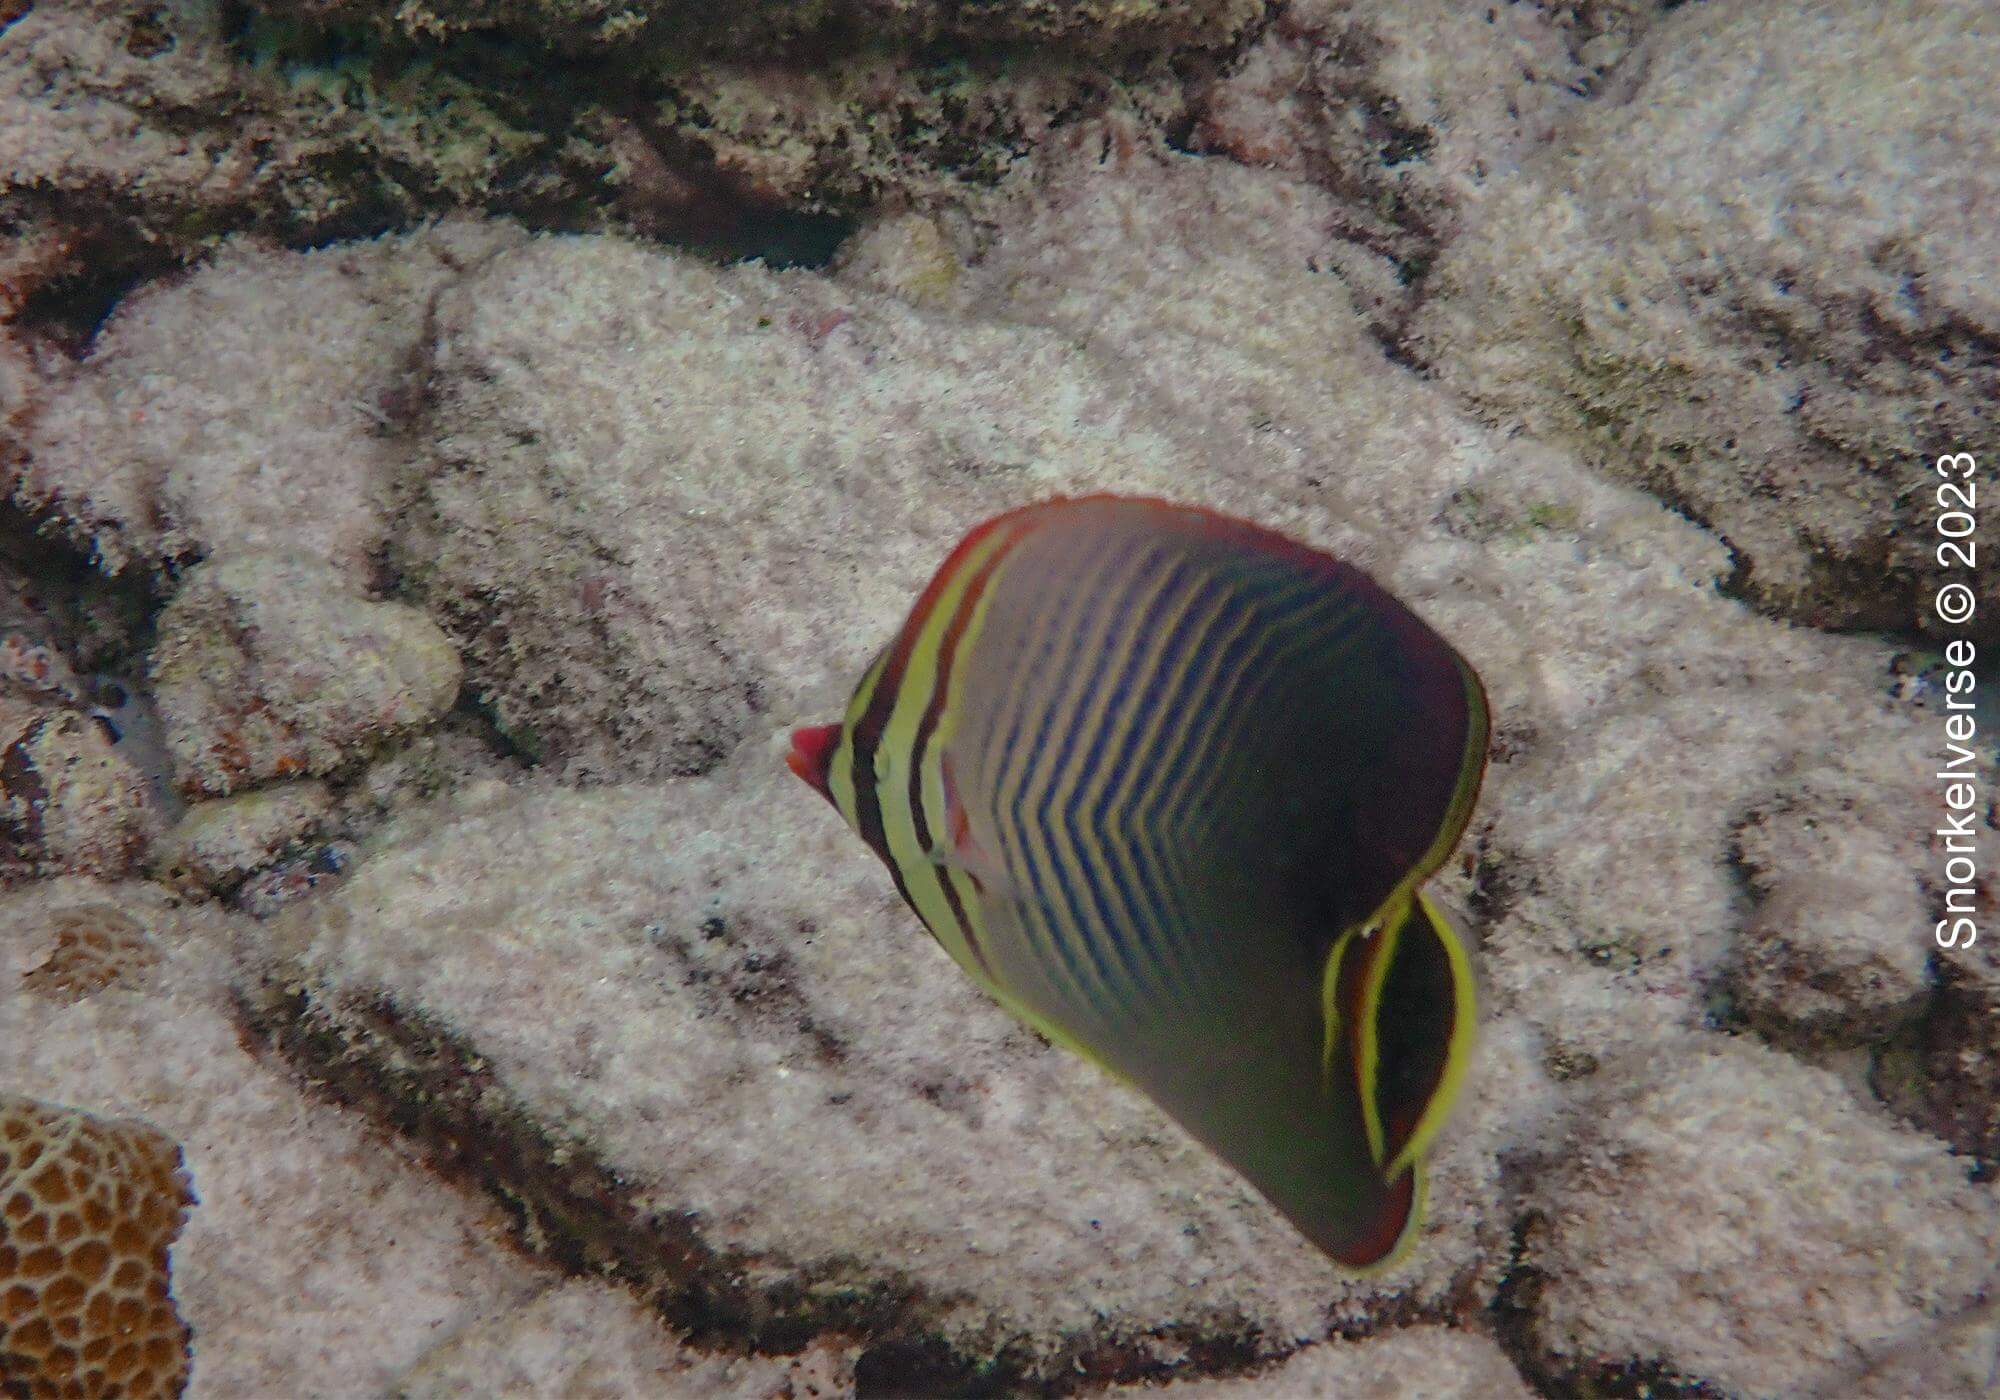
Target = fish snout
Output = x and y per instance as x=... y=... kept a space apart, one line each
x=812 y=754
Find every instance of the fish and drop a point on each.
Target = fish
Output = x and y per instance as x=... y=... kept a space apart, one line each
x=1168 y=785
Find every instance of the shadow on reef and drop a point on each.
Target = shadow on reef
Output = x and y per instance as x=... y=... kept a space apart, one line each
x=334 y=129
x=566 y=1205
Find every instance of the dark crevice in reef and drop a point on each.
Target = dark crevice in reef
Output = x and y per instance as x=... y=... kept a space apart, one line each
x=675 y=193
x=1512 y=1310
x=553 y=107
x=100 y=623
x=582 y=112
x=569 y=1207
x=1865 y=574
x=105 y=256
x=1942 y=1074
x=563 y=139
x=478 y=713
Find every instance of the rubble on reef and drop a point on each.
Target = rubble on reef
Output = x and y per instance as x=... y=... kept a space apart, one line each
x=422 y=520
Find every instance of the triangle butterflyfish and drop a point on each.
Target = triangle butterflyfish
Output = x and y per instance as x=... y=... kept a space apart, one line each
x=1168 y=785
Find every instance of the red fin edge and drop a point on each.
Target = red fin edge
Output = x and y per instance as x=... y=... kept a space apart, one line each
x=812 y=754
x=1373 y=1247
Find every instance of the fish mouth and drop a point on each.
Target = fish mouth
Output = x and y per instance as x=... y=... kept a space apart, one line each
x=811 y=754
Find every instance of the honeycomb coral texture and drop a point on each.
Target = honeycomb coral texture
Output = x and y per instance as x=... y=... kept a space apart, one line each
x=88 y=1208
x=96 y=944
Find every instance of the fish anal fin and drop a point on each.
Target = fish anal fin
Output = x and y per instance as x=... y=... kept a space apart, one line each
x=1384 y=1246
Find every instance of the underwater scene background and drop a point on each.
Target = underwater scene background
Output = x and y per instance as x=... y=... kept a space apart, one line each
x=447 y=446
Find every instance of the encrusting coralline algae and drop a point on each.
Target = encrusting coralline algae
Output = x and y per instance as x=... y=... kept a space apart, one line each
x=524 y=548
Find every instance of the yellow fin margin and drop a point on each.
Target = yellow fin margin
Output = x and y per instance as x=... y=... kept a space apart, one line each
x=1458 y=1053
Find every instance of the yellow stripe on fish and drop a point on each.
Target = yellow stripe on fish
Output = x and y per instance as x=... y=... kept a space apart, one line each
x=1167 y=785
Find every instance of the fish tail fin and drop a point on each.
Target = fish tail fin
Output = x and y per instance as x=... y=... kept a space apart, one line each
x=1401 y=1010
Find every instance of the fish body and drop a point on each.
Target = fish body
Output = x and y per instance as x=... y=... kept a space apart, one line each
x=1166 y=784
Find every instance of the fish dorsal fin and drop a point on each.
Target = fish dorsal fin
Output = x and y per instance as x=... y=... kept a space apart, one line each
x=1401 y=1015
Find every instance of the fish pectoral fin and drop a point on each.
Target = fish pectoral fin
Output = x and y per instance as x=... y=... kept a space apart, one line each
x=960 y=848
x=1402 y=1014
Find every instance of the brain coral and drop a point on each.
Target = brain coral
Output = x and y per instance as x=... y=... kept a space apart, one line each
x=88 y=1207
x=95 y=946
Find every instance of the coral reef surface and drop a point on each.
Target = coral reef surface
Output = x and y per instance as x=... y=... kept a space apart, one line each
x=444 y=447
x=1753 y=275
x=90 y=1207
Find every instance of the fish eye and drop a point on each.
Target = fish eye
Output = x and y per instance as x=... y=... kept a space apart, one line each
x=110 y=727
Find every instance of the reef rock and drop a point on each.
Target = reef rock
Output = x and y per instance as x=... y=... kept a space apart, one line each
x=18 y=388
x=1827 y=953
x=311 y=1259
x=135 y=137
x=587 y=1340
x=270 y=666
x=216 y=844
x=688 y=26
x=880 y=129
x=70 y=804
x=634 y=562
x=278 y=434
x=638 y=999
x=1943 y=1073
x=644 y=582
x=1434 y=1363
x=1746 y=1220
x=1405 y=113
x=526 y=1019
x=1752 y=276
